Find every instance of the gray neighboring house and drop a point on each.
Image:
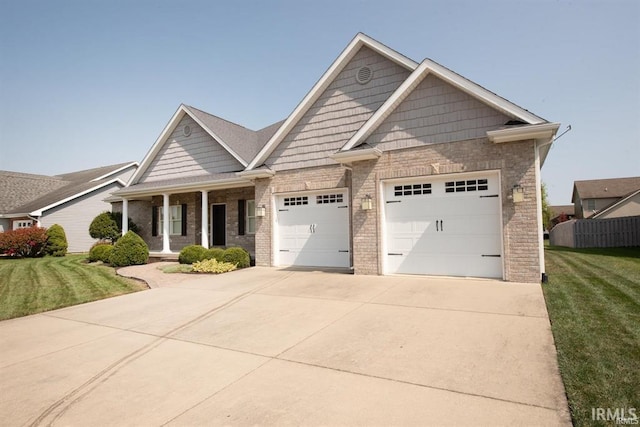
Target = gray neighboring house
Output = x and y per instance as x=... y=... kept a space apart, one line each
x=607 y=198
x=386 y=166
x=71 y=200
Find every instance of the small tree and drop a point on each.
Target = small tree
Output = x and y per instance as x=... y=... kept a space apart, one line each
x=130 y=249
x=547 y=213
x=57 y=242
x=104 y=227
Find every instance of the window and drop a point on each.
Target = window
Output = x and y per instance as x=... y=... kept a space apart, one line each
x=175 y=220
x=23 y=223
x=468 y=185
x=296 y=201
x=328 y=198
x=411 y=189
x=591 y=204
x=251 y=217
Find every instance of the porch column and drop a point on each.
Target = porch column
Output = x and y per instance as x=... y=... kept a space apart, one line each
x=125 y=216
x=205 y=219
x=166 y=249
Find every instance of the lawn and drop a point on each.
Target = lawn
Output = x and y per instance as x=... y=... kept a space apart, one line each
x=34 y=285
x=593 y=299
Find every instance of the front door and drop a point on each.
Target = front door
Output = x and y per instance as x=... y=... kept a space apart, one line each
x=218 y=225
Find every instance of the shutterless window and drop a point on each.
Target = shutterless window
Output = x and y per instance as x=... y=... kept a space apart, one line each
x=411 y=189
x=22 y=224
x=251 y=216
x=591 y=204
x=466 y=185
x=328 y=198
x=296 y=201
x=175 y=220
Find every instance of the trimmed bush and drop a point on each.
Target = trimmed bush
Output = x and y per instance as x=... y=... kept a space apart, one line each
x=214 y=253
x=24 y=242
x=213 y=266
x=100 y=252
x=191 y=254
x=237 y=256
x=104 y=227
x=130 y=249
x=57 y=242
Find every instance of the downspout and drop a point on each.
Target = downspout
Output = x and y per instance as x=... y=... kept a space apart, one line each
x=538 y=166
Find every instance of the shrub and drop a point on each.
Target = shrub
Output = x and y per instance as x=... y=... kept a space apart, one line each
x=108 y=226
x=191 y=254
x=24 y=242
x=214 y=253
x=213 y=266
x=57 y=241
x=237 y=256
x=100 y=252
x=104 y=227
x=130 y=249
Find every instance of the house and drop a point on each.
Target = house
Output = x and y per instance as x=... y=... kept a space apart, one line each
x=386 y=166
x=71 y=200
x=561 y=213
x=607 y=198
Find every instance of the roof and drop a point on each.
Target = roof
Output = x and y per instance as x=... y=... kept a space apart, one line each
x=22 y=193
x=558 y=210
x=616 y=204
x=242 y=143
x=605 y=188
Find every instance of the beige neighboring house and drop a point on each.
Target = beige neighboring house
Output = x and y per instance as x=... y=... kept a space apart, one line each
x=386 y=166
x=561 y=212
x=607 y=198
x=72 y=200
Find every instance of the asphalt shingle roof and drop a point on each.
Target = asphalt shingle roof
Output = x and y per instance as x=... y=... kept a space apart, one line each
x=25 y=193
x=606 y=188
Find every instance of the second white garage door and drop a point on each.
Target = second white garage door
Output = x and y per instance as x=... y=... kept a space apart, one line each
x=313 y=229
x=444 y=226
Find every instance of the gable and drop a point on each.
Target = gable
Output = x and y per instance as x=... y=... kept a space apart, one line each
x=338 y=112
x=185 y=156
x=435 y=112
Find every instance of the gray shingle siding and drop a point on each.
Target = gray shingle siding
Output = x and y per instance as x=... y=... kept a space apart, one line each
x=197 y=154
x=433 y=113
x=338 y=113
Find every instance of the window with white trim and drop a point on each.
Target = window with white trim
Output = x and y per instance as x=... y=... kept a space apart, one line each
x=251 y=217
x=23 y=223
x=591 y=204
x=296 y=201
x=175 y=220
x=411 y=189
x=466 y=185
x=328 y=198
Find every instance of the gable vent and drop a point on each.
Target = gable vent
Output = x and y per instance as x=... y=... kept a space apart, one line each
x=364 y=75
x=186 y=130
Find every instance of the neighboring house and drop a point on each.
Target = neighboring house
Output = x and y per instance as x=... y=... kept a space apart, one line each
x=386 y=166
x=607 y=198
x=561 y=213
x=71 y=200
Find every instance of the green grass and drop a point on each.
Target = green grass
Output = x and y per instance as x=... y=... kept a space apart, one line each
x=593 y=299
x=177 y=268
x=34 y=285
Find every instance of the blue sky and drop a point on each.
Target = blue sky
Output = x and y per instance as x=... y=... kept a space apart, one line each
x=90 y=83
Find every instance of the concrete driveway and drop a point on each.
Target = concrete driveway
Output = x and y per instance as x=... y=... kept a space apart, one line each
x=273 y=347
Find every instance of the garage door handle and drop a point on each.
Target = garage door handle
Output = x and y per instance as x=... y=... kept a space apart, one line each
x=493 y=195
x=394 y=201
x=342 y=250
x=343 y=207
x=283 y=210
x=284 y=250
x=491 y=256
x=394 y=254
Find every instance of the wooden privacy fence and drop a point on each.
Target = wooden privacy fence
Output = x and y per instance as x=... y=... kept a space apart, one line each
x=597 y=233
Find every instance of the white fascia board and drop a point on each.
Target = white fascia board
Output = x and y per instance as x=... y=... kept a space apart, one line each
x=544 y=131
x=347 y=54
x=127 y=166
x=213 y=185
x=481 y=93
x=16 y=215
x=217 y=138
x=356 y=155
x=256 y=173
x=75 y=196
x=146 y=162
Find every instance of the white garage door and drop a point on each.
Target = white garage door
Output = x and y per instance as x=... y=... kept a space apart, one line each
x=313 y=229
x=445 y=226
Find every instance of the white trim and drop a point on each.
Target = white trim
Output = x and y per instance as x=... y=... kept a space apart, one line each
x=75 y=196
x=615 y=205
x=336 y=67
x=247 y=217
x=125 y=216
x=256 y=173
x=356 y=155
x=204 y=218
x=115 y=171
x=520 y=133
x=430 y=67
x=540 y=222
x=192 y=186
x=162 y=139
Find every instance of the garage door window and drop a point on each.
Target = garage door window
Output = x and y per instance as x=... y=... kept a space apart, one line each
x=467 y=185
x=411 y=190
x=296 y=201
x=328 y=198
